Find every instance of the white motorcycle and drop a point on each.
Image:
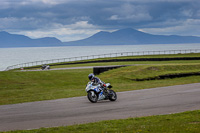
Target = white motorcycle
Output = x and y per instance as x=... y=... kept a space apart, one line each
x=96 y=93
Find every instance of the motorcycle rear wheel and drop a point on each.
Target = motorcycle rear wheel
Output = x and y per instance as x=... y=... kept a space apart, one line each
x=112 y=95
x=92 y=96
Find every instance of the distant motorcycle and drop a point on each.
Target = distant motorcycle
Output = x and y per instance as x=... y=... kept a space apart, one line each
x=45 y=67
x=96 y=93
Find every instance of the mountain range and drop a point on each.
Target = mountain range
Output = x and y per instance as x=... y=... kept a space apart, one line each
x=14 y=40
x=127 y=36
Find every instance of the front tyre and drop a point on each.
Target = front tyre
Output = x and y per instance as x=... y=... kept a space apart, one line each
x=112 y=96
x=92 y=96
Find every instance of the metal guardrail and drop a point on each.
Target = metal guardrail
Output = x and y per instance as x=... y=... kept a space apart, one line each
x=36 y=63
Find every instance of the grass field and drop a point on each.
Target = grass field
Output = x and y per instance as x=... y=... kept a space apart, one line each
x=187 y=122
x=19 y=87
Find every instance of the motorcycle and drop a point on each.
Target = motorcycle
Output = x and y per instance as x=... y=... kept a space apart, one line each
x=96 y=93
x=45 y=67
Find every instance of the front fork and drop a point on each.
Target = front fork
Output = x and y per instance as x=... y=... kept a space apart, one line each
x=92 y=93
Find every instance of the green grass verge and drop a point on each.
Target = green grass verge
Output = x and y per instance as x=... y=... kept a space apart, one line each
x=19 y=87
x=186 y=122
x=151 y=71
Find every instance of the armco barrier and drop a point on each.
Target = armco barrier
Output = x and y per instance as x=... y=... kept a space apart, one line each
x=36 y=63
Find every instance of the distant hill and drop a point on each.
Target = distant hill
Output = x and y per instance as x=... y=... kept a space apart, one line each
x=132 y=37
x=121 y=37
x=14 y=40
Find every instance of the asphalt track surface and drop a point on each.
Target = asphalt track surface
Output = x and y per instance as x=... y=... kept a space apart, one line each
x=69 y=111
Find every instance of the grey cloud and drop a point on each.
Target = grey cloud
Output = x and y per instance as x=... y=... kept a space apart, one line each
x=130 y=13
x=23 y=15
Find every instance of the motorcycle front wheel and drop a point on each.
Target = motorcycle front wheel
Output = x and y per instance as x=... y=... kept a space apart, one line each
x=92 y=96
x=112 y=95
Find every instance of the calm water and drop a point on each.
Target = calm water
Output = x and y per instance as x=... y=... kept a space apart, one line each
x=13 y=56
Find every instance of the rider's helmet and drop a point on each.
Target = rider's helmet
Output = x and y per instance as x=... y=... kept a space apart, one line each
x=91 y=76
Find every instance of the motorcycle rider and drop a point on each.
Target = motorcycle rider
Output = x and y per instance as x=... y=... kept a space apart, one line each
x=96 y=80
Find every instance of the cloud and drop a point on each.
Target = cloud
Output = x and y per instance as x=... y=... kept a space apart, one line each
x=11 y=3
x=49 y=2
x=187 y=28
x=130 y=13
x=18 y=23
x=131 y=18
x=73 y=19
x=76 y=31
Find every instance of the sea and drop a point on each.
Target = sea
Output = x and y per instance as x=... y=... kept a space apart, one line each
x=13 y=56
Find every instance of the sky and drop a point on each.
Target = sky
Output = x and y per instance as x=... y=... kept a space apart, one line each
x=70 y=20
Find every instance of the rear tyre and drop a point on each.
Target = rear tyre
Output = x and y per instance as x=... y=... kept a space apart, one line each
x=92 y=96
x=112 y=96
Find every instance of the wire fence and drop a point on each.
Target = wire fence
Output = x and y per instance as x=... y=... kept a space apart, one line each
x=36 y=63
